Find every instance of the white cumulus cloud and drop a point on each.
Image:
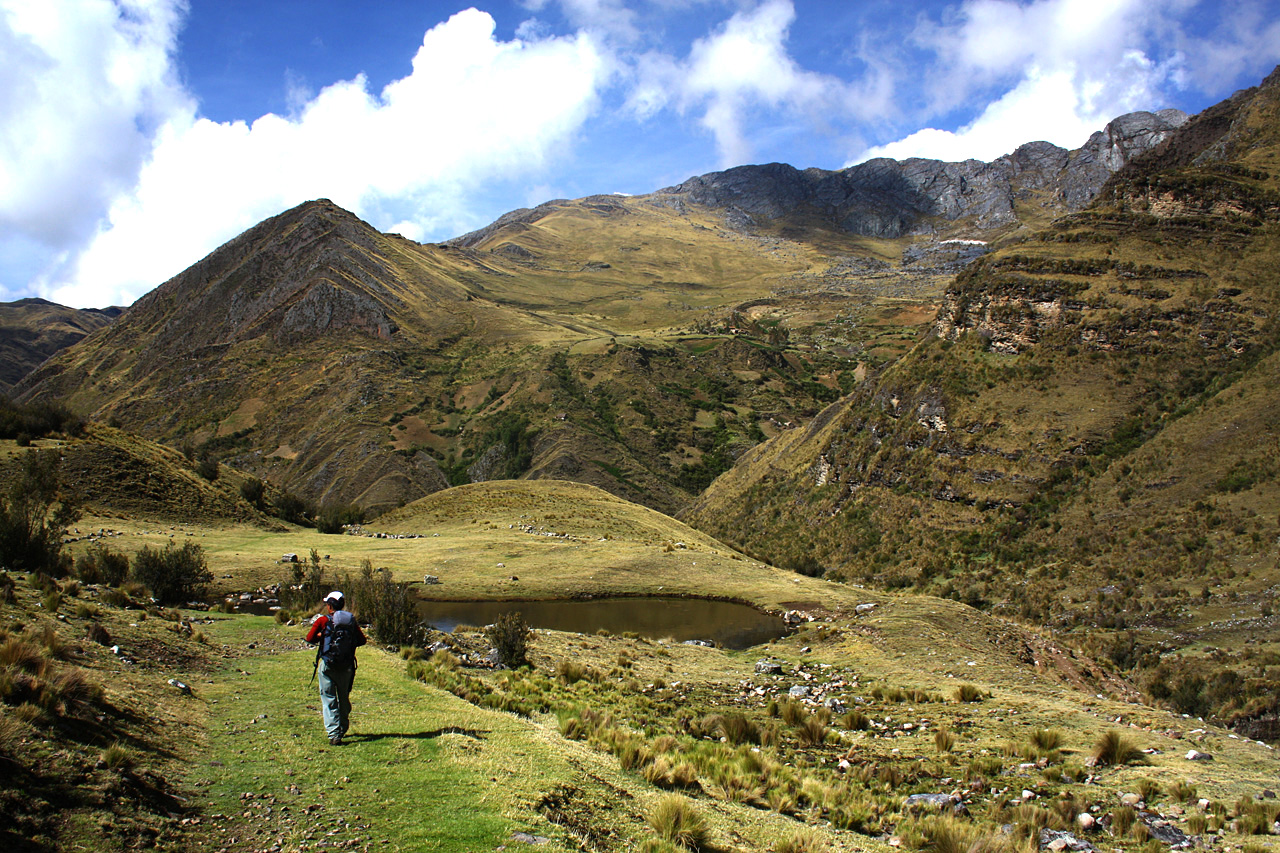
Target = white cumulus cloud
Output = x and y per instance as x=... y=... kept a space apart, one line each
x=473 y=109
x=1053 y=70
x=745 y=67
x=82 y=88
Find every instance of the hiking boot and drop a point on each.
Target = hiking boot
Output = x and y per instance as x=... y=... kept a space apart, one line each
x=336 y=740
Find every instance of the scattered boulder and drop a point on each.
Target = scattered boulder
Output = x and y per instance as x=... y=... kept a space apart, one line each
x=430 y=579
x=798 y=692
x=1197 y=755
x=1059 y=841
x=768 y=667
x=1164 y=831
x=864 y=608
x=1086 y=822
x=928 y=802
x=182 y=688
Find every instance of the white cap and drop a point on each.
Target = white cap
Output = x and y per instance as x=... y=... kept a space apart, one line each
x=334 y=596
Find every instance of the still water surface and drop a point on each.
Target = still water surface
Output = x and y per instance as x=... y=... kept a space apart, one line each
x=733 y=626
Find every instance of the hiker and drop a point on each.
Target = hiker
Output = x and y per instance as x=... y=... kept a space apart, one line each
x=338 y=634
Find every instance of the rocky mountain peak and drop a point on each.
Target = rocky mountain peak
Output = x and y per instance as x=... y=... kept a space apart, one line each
x=890 y=198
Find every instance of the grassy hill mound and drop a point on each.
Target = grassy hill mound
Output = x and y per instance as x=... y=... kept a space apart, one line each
x=109 y=472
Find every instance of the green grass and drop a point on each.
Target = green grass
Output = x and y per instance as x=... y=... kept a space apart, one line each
x=266 y=738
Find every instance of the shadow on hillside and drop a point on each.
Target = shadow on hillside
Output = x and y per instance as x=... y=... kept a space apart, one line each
x=475 y=734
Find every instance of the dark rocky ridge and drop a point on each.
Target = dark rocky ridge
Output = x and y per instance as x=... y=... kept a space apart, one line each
x=887 y=198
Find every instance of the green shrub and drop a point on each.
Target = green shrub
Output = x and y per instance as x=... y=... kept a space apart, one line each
x=385 y=604
x=254 y=491
x=174 y=575
x=510 y=635
x=33 y=516
x=333 y=518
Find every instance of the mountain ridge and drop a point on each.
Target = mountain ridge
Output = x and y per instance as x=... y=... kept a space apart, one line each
x=354 y=366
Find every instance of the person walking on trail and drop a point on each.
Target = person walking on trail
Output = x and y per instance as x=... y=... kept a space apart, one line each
x=338 y=635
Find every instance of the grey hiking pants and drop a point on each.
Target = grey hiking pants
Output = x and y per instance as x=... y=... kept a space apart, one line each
x=335 y=697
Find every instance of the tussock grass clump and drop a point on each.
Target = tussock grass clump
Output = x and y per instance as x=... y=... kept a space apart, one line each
x=793 y=713
x=1122 y=820
x=1181 y=791
x=676 y=821
x=941 y=834
x=739 y=729
x=944 y=741
x=855 y=721
x=1045 y=741
x=12 y=733
x=803 y=841
x=812 y=732
x=572 y=671
x=665 y=773
x=22 y=654
x=117 y=757
x=1113 y=749
x=968 y=693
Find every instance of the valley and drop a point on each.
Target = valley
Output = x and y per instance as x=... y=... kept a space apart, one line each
x=995 y=438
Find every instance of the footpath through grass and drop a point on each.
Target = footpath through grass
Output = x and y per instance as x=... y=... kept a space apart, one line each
x=421 y=770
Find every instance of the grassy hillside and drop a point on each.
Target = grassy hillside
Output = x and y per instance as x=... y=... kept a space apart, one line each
x=1082 y=443
x=31 y=330
x=626 y=344
x=583 y=748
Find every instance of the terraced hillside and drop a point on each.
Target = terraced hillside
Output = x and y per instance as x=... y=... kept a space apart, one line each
x=1084 y=439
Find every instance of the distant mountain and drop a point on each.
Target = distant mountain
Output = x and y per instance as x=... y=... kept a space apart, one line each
x=637 y=344
x=31 y=330
x=917 y=197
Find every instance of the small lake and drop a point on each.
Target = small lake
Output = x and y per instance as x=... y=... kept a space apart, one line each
x=732 y=626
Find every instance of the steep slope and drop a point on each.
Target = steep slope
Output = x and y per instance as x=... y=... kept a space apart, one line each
x=113 y=473
x=31 y=330
x=1084 y=438
x=638 y=344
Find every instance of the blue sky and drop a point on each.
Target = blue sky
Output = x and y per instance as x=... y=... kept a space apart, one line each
x=136 y=136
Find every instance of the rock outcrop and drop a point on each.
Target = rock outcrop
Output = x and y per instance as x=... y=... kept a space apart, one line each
x=887 y=198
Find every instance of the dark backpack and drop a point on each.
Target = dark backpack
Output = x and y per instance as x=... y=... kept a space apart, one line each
x=341 y=636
